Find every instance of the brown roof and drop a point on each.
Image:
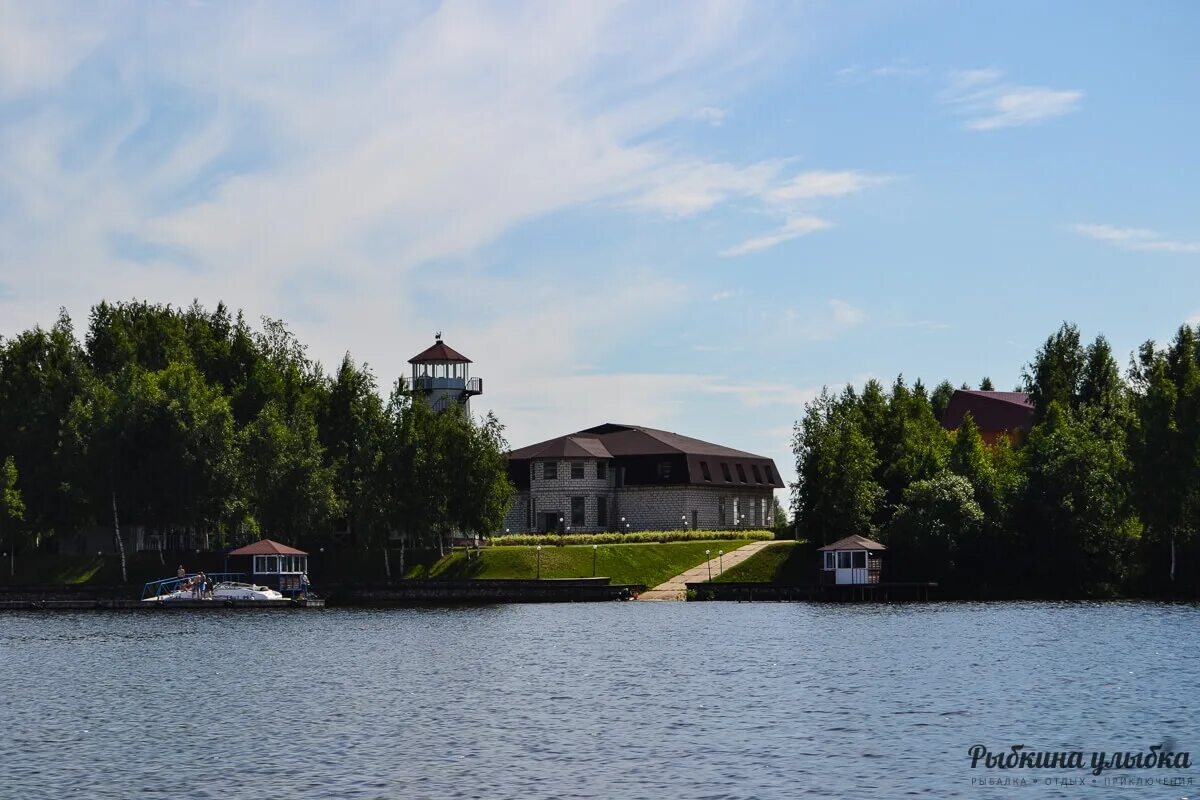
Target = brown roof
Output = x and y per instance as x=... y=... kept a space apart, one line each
x=616 y=441
x=854 y=542
x=439 y=351
x=993 y=412
x=267 y=547
x=564 y=447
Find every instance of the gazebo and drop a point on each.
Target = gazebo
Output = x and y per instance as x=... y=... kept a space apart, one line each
x=854 y=560
x=275 y=565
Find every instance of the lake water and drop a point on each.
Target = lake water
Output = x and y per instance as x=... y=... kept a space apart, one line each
x=616 y=700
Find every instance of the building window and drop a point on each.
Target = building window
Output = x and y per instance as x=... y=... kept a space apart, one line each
x=758 y=511
x=577 y=470
x=577 y=516
x=529 y=514
x=704 y=471
x=664 y=470
x=550 y=470
x=757 y=474
x=741 y=473
x=602 y=512
x=830 y=560
x=725 y=472
x=843 y=559
x=721 y=511
x=601 y=470
x=737 y=511
x=767 y=472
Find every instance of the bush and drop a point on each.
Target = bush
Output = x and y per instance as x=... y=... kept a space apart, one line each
x=636 y=537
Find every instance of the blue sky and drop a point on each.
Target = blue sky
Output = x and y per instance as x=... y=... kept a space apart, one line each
x=689 y=215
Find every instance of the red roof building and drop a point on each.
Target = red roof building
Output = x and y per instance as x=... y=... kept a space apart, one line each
x=996 y=414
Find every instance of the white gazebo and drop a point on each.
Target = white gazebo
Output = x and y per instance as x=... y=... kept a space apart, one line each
x=851 y=561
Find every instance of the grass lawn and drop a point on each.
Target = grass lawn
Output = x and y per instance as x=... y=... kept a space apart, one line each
x=780 y=562
x=647 y=564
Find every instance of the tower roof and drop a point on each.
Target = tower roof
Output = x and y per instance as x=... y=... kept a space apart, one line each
x=439 y=352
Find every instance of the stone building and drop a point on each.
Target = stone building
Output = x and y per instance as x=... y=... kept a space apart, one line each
x=627 y=477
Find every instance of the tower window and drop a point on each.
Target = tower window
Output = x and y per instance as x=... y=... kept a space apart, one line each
x=742 y=473
x=704 y=471
x=550 y=470
x=602 y=512
x=577 y=470
x=601 y=470
x=577 y=516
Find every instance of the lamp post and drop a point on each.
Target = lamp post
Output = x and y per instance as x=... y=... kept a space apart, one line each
x=539 y=562
x=721 y=560
x=560 y=524
x=595 y=550
x=683 y=521
x=708 y=561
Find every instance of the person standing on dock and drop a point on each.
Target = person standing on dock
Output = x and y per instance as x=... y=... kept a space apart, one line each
x=181 y=572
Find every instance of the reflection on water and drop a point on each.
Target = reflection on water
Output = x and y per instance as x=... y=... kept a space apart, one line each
x=700 y=700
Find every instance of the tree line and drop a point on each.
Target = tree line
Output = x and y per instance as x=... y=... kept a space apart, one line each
x=1100 y=498
x=185 y=419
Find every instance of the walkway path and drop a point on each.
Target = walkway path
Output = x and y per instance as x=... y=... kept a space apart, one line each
x=676 y=588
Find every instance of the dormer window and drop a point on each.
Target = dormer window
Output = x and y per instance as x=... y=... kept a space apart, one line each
x=664 y=470
x=725 y=472
x=742 y=473
x=704 y=471
x=757 y=474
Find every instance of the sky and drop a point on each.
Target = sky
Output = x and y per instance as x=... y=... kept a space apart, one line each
x=685 y=215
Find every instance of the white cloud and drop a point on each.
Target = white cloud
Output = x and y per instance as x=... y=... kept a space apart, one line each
x=685 y=189
x=712 y=115
x=821 y=183
x=902 y=68
x=846 y=314
x=991 y=103
x=1139 y=239
x=792 y=229
x=727 y=294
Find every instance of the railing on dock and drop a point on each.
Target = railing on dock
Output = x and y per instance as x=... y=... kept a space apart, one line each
x=169 y=585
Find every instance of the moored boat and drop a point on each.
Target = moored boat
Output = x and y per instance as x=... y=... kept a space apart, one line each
x=191 y=587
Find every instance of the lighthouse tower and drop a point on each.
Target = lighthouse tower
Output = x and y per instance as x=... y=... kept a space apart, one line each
x=442 y=375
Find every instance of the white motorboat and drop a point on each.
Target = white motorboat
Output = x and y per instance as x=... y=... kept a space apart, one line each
x=187 y=588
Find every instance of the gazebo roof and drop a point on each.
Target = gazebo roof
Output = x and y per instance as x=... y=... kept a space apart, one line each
x=854 y=542
x=267 y=547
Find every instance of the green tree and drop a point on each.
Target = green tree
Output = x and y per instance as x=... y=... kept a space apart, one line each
x=940 y=399
x=938 y=518
x=288 y=487
x=1056 y=371
x=1078 y=522
x=835 y=493
x=352 y=426
x=1100 y=382
x=12 y=507
x=41 y=373
x=986 y=385
x=1164 y=448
